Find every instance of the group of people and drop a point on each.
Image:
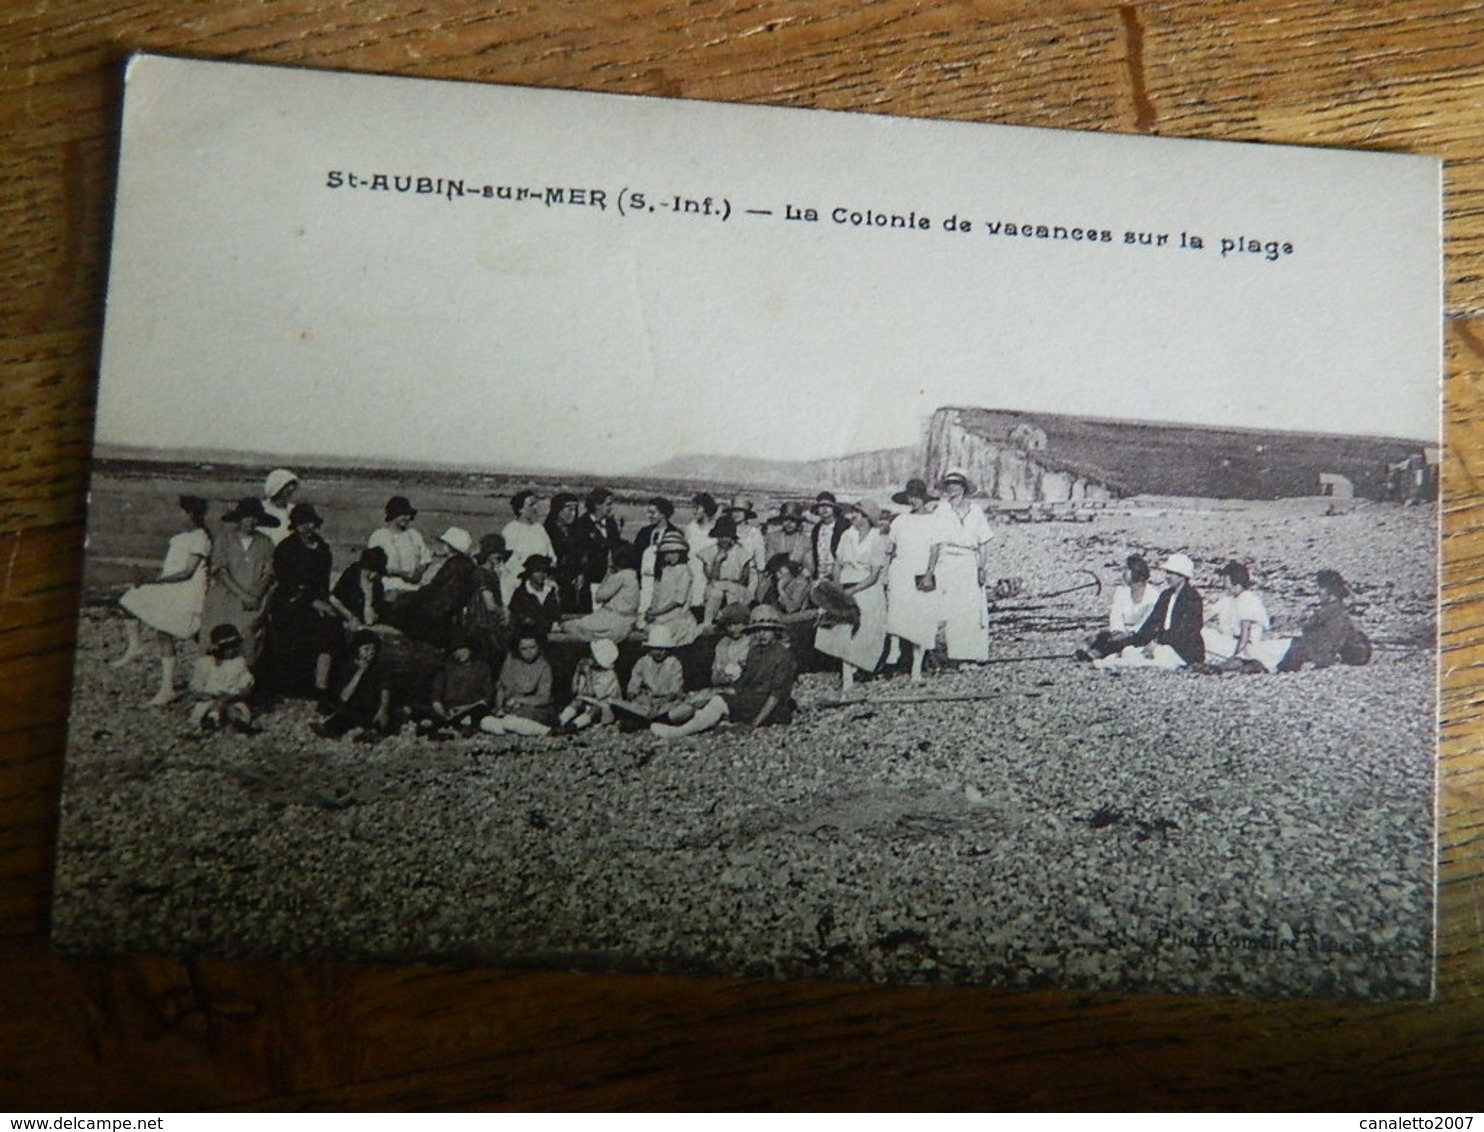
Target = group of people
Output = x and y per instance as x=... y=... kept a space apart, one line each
x=1152 y=626
x=875 y=588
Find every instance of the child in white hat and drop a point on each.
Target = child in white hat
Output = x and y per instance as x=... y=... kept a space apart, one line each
x=594 y=688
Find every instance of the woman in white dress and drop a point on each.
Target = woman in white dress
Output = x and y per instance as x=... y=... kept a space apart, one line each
x=525 y=535
x=957 y=568
x=408 y=558
x=913 y=614
x=860 y=572
x=1132 y=603
x=171 y=604
x=1240 y=624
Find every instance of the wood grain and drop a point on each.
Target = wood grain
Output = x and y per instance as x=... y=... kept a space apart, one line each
x=161 y=1034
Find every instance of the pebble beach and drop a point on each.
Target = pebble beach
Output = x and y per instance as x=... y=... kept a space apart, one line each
x=1031 y=822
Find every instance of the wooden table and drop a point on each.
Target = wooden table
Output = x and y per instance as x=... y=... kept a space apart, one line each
x=154 y=1034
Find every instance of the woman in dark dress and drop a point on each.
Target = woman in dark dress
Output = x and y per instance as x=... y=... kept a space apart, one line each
x=567 y=559
x=303 y=627
x=435 y=612
x=488 y=621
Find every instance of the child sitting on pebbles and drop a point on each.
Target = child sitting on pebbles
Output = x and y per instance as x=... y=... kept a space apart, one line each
x=463 y=689
x=763 y=694
x=594 y=689
x=222 y=680
x=523 y=693
x=657 y=684
x=360 y=694
x=731 y=646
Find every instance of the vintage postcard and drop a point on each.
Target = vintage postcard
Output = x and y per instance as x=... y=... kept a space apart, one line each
x=543 y=528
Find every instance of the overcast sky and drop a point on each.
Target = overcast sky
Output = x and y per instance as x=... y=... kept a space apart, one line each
x=254 y=307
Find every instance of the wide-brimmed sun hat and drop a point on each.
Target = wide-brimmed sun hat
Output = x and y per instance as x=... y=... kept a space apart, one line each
x=915 y=489
x=660 y=637
x=458 y=538
x=766 y=617
x=1178 y=564
x=724 y=528
x=956 y=475
x=869 y=509
x=738 y=504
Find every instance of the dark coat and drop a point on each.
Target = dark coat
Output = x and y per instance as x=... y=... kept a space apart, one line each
x=435 y=612
x=1184 y=633
x=594 y=540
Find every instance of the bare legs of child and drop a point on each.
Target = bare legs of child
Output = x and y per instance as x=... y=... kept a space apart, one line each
x=512 y=725
x=707 y=716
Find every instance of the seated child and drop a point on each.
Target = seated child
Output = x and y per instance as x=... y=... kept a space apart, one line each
x=728 y=567
x=536 y=605
x=657 y=683
x=594 y=688
x=523 y=693
x=763 y=694
x=360 y=695
x=790 y=588
x=222 y=681
x=731 y=647
x=463 y=689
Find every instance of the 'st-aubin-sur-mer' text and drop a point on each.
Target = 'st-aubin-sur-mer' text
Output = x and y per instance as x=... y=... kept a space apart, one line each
x=629 y=202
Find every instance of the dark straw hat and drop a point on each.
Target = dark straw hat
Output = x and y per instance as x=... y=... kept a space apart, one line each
x=304 y=513
x=397 y=506
x=251 y=508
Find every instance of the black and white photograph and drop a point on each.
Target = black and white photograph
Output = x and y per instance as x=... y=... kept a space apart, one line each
x=540 y=529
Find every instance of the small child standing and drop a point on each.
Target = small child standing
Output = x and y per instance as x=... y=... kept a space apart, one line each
x=222 y=680
x=594 y=688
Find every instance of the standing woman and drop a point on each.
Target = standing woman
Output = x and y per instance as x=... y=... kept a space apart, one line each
x=566 y=556
x=913 y=610
x=698 y=538
x=407 y=555
x=524 y=536
x=860 y=571
x=241 y=575
x=957 y=568
x=278 y=498
x=171 y=604
x=305 y=629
